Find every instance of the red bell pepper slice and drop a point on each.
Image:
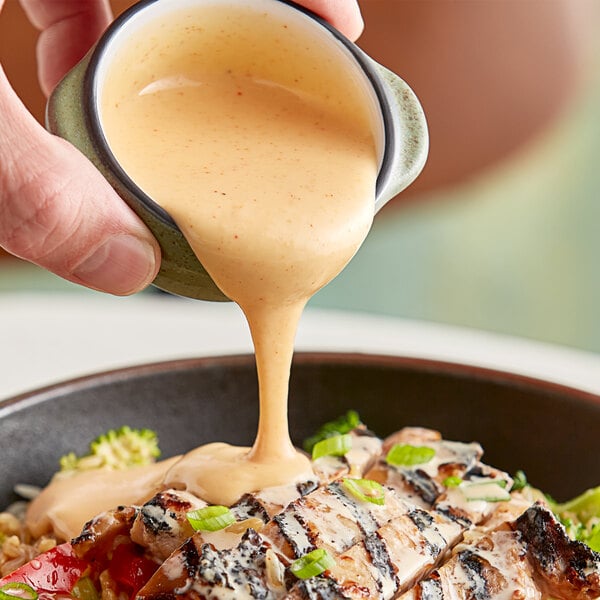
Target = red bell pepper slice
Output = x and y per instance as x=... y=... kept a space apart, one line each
x=55 y=571
x=130 y=568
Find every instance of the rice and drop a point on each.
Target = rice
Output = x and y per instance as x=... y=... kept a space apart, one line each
x=17 y=546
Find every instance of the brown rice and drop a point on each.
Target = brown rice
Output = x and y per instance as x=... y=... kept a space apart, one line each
x=16 y=544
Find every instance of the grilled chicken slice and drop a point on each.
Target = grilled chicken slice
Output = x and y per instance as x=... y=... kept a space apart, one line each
x=478 y=499
x=564 y=568
x=198 y=571
x=387 y=561
x=488 y=566
x=331 y=517
x=415 y=436
x=504 y=513
x=385 y=548
x=378 y=548
x=98 y=535
x=266 y=503
x=161 y=525
x=531 y=557
x=423 y=484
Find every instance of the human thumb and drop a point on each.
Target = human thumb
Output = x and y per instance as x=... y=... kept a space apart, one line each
x=57 y=211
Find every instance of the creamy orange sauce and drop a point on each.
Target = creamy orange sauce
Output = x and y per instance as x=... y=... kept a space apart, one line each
x=260 y=145
x=72 y=500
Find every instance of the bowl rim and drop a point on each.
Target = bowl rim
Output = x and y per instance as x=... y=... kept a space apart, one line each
x=473 y=372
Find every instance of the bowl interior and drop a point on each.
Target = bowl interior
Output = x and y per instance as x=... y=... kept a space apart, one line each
x=547 y=430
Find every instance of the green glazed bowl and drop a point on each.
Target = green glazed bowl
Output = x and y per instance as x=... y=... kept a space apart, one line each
x=73 y=114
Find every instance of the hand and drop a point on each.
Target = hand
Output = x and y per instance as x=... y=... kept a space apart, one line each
x=56 y=209
x=342 y=14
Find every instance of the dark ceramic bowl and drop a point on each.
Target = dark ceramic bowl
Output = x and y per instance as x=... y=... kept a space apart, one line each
x=547 y=430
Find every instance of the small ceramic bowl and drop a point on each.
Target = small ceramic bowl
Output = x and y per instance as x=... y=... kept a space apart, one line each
x=547 y=430
x=73 y=113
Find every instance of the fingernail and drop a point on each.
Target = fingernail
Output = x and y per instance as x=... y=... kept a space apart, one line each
x=122 y=265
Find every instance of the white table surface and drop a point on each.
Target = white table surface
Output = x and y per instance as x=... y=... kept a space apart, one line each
x=48 y=338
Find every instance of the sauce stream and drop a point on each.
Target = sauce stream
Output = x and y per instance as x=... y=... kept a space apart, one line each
x=261 y=147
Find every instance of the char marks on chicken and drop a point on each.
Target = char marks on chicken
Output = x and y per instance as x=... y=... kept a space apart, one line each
x=422 y=540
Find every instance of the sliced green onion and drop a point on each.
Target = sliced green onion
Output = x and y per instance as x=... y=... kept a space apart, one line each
x=501 y=482
x=405 y=455
x=452 y=481
x=311 y=564
x=337 y=445
x=84 y=589
x=366 y=490
x=210 y=518
x=344 y=424
x=519 y=481
x=16 y=589
x=489 y=490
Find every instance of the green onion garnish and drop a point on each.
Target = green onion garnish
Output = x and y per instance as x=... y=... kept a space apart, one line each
x=210 y=518
x=366 y=490
x=519 y=481
x=452 y=481
x=16 y=589
x=344 y=424
x=311 y=564
x=84 y=589
x=337 y=445
x=489 y=490
x=405 y=455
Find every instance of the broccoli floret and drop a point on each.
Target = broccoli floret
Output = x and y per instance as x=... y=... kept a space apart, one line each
x=116 y=449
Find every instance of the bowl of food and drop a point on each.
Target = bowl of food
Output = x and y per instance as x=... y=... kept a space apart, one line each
x=414 y=470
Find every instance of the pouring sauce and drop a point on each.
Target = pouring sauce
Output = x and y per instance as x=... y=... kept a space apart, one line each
x=260 y=145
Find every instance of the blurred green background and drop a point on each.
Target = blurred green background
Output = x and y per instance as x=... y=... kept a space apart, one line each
x=515 y=250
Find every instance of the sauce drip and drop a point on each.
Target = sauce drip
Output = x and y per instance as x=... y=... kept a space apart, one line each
x=260 y=145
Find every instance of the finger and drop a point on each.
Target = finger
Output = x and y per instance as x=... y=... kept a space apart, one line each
x=69 y=28
x=57 y=211
x=342 y=14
